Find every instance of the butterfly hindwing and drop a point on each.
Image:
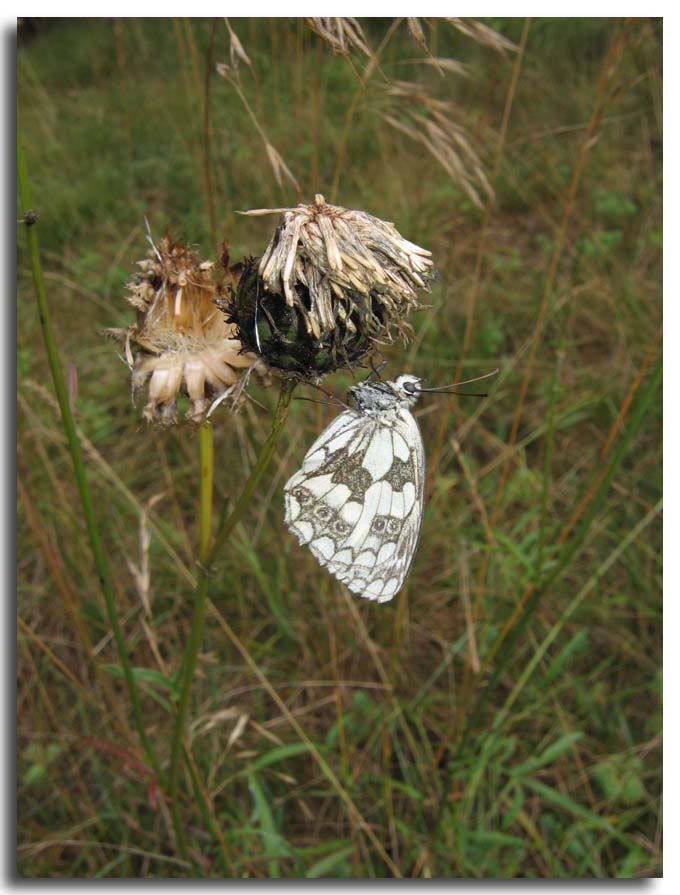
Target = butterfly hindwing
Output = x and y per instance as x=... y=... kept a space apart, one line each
x=357 y=499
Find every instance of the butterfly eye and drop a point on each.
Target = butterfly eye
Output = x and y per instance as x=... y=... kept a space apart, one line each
x=409 y=387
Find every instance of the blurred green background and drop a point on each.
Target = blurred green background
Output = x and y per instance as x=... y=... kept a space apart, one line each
x=501 y=717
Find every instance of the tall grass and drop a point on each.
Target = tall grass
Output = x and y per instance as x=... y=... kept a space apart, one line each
x=501 y=718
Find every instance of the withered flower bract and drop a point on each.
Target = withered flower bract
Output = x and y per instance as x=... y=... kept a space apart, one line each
x=181 y=342
x=331 y=283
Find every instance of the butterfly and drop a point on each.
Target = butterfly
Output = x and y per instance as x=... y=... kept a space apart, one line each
x=357 y=501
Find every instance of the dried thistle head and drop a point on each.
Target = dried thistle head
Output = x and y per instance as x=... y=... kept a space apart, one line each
x=331 y=283
x=181 y=342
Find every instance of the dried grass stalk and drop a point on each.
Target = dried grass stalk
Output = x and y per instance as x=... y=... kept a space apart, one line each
x=414 y=111
x=482 y=34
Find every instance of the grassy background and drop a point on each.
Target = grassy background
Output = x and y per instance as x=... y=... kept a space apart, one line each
x=469 y=753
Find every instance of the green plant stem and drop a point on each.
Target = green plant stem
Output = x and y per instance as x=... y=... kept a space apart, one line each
x=547 y=463
x=208 y=819
x=261 y=464
x=207 y=453
x=202 y=587
x=75 y=451
x=207 y=467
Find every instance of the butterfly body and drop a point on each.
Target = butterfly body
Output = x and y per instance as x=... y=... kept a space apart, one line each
x=357 y=500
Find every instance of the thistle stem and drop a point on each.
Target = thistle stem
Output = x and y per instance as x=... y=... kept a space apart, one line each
x=207 y=453
x=76 y=453
x=207 y=558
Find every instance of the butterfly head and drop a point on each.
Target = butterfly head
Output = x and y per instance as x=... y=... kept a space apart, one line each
x=372 y=397
x=407 y=388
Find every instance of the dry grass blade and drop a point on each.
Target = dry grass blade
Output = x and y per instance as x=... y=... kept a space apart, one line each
x=444 y=63
x=416 y=112
x=417 y=33
x=467 y=605
x=142 y=573
x=54 y=659
x=341 y=34
x=236 y=52
x=280 y=168
x=482 y=34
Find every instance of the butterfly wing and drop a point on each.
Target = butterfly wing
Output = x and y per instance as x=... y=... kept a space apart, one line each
x=357 y=500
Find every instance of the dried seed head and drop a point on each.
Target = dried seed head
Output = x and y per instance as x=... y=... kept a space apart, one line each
x=181 y=342
x=331 y=282
x=341 y=34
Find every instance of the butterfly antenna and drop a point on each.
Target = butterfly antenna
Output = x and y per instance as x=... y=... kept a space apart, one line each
x=444 y=389
x=375 y=371
x=338 y=402
x=314 y=401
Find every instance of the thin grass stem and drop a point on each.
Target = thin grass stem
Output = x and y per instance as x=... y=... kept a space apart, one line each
x=547 y=466
x=353 y=106
x=207 y=460
x=209 y=819
x=207 y=137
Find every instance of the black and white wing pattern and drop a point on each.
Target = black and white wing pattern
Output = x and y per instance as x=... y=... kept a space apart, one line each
x=357 y=501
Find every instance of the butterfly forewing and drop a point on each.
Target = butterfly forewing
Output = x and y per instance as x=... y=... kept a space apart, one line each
x=357 y=500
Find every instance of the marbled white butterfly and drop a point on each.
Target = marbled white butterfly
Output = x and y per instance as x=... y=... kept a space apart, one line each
x=357 y=501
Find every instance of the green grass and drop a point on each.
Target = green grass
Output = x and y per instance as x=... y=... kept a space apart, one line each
x=502 y=717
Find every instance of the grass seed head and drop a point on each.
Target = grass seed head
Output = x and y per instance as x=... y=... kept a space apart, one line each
x=332 y=282
x=181 y=343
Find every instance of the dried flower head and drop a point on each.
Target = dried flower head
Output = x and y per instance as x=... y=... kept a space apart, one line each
x=331 y=282
x=181 y=342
